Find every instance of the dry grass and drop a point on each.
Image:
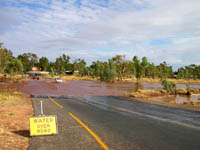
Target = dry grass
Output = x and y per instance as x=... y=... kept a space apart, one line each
x=73 y=77
x=78 y=78
x=13 y=77
x=141 y=80
x=158 y=80
x=184 y=81
x=15 y=110
x=182 y=91
x=154 y=93
x=147 y=93
x=10 y=96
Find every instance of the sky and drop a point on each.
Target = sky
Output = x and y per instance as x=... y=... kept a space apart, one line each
x=161 y=30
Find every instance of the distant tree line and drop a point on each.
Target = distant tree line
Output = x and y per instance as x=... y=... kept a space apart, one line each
x=116 y=68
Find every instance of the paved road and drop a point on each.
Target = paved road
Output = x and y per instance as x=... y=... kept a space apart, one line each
x=120 y=124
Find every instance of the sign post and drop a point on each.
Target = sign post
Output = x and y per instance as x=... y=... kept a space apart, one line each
x=41 y=108
x=43 y=125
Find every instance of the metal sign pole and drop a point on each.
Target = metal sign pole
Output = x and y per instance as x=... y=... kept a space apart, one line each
x=41 y=108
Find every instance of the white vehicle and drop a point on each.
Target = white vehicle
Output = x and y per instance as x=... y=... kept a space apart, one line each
x=58 y=80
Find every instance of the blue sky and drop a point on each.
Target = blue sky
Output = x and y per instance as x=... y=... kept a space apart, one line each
x=161 y=30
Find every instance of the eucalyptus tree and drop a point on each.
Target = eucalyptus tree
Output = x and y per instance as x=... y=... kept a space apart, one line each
x=43 y=63
x=5 y=55
x=28 y=60
x=138 y=67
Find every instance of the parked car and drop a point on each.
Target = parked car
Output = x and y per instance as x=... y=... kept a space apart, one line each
x=58 y=80
x=36 y=77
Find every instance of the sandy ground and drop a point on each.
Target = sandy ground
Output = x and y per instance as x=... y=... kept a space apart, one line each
x=14 y=120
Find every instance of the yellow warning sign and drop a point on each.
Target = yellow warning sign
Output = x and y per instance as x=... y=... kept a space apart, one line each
x=45 y=125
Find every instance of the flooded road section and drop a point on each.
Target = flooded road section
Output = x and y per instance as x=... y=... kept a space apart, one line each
x=78 y=87
x=83 y=87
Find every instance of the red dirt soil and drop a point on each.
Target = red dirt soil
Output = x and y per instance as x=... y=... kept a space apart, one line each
x=14 y=120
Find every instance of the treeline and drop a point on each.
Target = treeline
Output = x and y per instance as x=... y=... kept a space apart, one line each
x=115 y=68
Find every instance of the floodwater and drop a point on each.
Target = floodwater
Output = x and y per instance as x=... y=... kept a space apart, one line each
x=158 y=86
x=78 y=88
x=83 y=87
x=179 y=99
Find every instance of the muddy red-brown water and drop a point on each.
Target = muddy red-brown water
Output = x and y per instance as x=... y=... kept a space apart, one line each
x=78 y=87
x=83 y=87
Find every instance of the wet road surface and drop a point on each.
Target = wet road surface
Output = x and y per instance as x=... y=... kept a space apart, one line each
x=81 y=88
x=121 y=125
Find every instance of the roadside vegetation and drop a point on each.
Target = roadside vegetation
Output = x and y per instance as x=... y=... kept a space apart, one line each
x=117 y=68
x=15 y=110
x=10 y=96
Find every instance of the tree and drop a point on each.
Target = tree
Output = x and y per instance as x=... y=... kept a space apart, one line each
x=138 y=67
x=110 y=73
x=51 y=68
x=15 y=66
x=28 y=60
x=80 y=65
x=121 y=65
x=144 y=65
x=63 y=64
x=181 y=73
x=165 y=71
x=43 y=63
x=5 y=55
x=60 y=65
x=151 y=71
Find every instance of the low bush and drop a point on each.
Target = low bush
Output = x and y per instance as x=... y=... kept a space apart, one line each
x=169 y=86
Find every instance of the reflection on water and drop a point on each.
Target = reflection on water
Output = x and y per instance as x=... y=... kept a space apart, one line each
x=181 y=99
x=133 y=87
x=82 y=87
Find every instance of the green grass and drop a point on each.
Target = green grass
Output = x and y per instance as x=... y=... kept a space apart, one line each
x=11 y=114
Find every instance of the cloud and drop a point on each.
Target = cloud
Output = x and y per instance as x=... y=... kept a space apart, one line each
x=162 y=30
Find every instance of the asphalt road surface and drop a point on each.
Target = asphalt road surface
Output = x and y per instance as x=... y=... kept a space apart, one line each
x=118 y=124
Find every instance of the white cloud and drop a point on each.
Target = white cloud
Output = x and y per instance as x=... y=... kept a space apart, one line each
x=174 y=60
x=126 y=25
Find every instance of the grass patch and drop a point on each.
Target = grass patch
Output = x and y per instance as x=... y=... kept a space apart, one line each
x=11 y=114
x=72 y=77
x=11 y=96
x=12 y=77
x=148 y=93
x=15 y=111
x=158 y=80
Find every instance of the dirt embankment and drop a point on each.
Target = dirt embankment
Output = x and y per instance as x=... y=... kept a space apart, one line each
x=15 y=110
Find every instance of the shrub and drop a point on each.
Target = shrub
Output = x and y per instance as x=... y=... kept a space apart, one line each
x=169 y=86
